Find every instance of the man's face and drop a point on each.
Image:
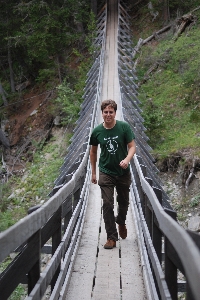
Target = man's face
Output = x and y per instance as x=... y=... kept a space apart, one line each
x=108 y=115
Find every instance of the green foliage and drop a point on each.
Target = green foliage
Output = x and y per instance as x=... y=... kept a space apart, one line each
x=69 y=96
x=41 y=36
x=8 y=216
x=195 y=115
x=45 y=33
x=181 y=217
x=170 y=97
x=68 y=102
x=44 y=28
x=82 y=71
x=20 y=194
x=153 y=120
x=195 y=201
x=4 y=189
x=176 y=6
x=5 y=220
x=44 y=75
x=183 y=6
x=41 y=173
x=5 y=264
x=92 y=33
x=19 y=293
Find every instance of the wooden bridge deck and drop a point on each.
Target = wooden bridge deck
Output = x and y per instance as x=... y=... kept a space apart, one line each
x=98 y=273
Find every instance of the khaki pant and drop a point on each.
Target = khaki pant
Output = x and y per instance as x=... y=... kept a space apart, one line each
x=107 y=184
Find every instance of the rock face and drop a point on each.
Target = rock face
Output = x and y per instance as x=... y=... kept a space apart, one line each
x=57 y=121
x=194 y=223
x=186 y=202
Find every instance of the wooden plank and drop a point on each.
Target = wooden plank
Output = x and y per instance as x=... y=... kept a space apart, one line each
x=171 y=254
x=170 y=272
x=56 y=239
x=131 y=266
x=107 y=281
x=84 y=268
x=50 y=227
x=34 y=272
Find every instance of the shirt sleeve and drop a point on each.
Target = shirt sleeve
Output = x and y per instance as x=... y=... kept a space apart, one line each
x=93 y=140
x=129 y=133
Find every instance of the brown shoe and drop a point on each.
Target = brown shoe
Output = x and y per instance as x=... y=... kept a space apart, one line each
x=122 y=231
x=110 y=244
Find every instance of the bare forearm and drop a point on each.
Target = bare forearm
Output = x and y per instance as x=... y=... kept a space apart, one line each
x=131 y=152
x=93 y=161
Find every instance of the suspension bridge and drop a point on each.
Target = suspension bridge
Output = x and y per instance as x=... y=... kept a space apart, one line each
x=69 y=227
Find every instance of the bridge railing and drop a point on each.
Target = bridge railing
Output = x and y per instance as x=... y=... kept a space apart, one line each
x=55 y=227
x=166 y=248
x=89 y=108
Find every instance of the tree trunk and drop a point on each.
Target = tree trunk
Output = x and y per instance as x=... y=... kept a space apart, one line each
x=182 y=23
x=12 y=82
x=59 y=68
x=94 y=6
x=152 y=11
x=166 y=13
x=3 y=95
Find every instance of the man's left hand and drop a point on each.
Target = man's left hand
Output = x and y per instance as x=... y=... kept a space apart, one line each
x=123 y=164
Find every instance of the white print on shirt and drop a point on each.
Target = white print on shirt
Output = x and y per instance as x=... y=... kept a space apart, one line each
x=112 y=144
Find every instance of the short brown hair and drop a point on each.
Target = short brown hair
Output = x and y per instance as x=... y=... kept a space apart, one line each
x=109 y=102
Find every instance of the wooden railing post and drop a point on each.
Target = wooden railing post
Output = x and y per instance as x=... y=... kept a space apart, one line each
x=189 y=295
x=148 y=210
x=138 y=183
x=56 y=239
x=150 y=224
x=77 y=194
x=157 y=234
x=142 y=194
x=34 y=273
x=170 y=272
x=170 y=268
x=67 y=211
x=196 y=238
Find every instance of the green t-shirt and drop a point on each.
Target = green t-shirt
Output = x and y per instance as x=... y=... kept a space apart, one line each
x=113 y=143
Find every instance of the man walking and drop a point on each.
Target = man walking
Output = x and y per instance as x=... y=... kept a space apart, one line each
x=116 y=140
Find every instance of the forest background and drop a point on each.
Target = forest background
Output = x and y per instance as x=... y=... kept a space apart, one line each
x=46 y=51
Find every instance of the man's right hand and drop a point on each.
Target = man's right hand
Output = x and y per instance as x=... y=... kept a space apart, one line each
x=94 y=179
